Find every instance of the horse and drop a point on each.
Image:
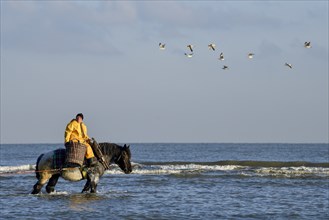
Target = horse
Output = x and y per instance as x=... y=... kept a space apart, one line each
x=46 y=164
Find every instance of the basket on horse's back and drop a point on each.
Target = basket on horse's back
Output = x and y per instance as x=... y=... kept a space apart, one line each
x=75 y=153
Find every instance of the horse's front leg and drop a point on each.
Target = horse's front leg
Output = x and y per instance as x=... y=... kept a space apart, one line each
x=86 y=188
x=94 y=183
x=93 y=179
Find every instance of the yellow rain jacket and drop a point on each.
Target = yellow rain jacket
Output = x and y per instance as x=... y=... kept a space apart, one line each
x=75 y=132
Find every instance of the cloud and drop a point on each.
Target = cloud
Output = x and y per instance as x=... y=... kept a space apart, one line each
x=97 y=27
x=64 y=27
x=214 y=16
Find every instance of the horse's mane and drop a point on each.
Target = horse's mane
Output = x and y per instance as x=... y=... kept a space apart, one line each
x=110 y=149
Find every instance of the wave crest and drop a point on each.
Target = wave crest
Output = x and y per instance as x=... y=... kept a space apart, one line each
x=244 y=168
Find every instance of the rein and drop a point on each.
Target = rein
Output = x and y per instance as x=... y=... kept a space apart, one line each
x=37 y=171
x=116 y=159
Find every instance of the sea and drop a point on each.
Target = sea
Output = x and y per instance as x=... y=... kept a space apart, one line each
x=178 y=181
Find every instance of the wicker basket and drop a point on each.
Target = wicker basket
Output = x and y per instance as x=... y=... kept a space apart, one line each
x=75 y=153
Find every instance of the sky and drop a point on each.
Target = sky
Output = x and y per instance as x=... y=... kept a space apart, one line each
x=101 y=58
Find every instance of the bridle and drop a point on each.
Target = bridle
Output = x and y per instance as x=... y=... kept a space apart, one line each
x=116 y=159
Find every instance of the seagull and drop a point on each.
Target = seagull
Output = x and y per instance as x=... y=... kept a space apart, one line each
x=162 y=46
x=189 y=55
x=250 y=55
x=221 y=56
x=225 y=67
x=212 y=47
x=190 y=46
x=288 y=65
x=307 y=44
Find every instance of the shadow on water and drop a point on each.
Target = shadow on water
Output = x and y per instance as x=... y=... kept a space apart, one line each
x=64 y=195
x=81 y=202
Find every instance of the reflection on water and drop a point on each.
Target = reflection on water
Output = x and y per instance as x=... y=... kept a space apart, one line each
x=81 y=202
x=74 y=202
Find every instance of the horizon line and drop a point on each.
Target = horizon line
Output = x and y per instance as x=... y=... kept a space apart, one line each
x=179 y=142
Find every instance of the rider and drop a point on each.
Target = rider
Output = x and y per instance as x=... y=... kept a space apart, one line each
x=76 y=131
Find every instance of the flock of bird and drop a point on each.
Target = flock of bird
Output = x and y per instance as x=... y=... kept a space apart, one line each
x=212 y=46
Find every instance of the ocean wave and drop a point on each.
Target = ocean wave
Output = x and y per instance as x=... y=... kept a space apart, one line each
x=244 y=168
x=16 y=169
x=248 y=163
x=199 y=168
x=172 y=169
x=294 y=171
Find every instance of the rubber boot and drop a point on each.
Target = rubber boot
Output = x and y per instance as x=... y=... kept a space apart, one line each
x=92 y=162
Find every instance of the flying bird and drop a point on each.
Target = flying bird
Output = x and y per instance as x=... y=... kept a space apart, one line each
x=212 y=47
x=225 y=67
x=251 y=55
x=162 y=46
x=189 y=55
x=190 y=46
x=288 y=65
x=307 y=44
x=221 y=56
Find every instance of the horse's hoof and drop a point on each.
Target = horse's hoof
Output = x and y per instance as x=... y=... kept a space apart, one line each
x=86 y=189
x=50 y=189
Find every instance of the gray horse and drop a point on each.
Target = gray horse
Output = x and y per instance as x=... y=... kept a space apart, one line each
x=46 y=168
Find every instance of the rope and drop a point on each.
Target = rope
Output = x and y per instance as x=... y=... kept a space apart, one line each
x=102 y=160
x=37 y=171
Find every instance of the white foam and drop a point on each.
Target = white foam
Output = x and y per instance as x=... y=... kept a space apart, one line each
x=294 y=171
x=155 y=172
x=13 y=169
x=51 y=194
x=58 y=193
x=197 y=167
x=173 y=169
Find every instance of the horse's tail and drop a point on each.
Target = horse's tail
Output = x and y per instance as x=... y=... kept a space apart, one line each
x=37 y=168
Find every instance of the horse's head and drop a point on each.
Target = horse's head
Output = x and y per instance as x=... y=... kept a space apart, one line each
x=123 y=160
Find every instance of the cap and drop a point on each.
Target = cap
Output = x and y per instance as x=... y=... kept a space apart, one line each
x=79 y=115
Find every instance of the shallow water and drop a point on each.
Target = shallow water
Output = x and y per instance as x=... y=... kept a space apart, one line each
x=185 y=181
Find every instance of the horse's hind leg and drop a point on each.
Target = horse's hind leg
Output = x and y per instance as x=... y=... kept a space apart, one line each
x=36 y=188
x=52 y=183
x=43 y=178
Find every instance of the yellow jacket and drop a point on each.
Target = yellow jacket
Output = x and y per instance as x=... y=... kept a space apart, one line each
x=76 y=132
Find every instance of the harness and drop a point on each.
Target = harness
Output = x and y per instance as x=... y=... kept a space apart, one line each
x=97 y=151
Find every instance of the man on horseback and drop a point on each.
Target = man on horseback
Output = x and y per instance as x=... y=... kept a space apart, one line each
x=76 y=132
x=49 y=166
